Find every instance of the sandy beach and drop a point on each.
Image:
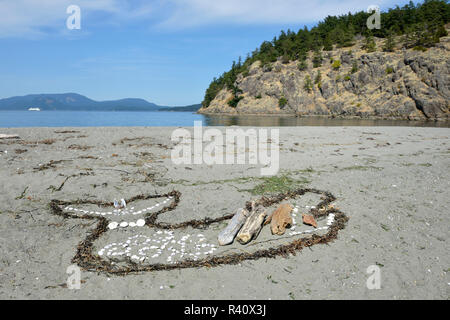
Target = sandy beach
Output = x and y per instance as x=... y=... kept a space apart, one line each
x=391 y=182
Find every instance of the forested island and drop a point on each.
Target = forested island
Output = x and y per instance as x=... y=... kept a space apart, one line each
x=341 y=68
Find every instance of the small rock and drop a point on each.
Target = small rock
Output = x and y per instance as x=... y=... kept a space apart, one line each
x=309 y=220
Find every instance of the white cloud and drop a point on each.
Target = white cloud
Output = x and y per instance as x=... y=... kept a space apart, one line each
x=188 y=13
x=38 y=17
x=33 y=18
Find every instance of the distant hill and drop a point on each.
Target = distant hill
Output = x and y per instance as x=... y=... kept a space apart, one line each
x=191 y=108
x=74 y=101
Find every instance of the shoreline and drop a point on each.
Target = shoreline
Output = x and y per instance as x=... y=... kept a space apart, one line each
x=323 y=116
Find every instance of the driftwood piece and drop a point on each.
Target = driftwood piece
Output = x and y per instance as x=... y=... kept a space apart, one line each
x=253 y=225
x=309 y=220
x=227 y=236
x=9 y=136
x=281 y=219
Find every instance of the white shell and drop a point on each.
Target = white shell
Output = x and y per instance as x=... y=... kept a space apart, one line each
x=113 y=225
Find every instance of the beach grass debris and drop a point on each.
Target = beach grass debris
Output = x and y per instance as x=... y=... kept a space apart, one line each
x=50 y=165
x=22 y=194
x=79 y=147
x=56 y=189
x=361 y=168
x=67 y=131
x=45 y=141
x=269 y=277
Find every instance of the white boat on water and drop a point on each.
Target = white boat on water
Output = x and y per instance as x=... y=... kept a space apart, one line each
x=34 y=109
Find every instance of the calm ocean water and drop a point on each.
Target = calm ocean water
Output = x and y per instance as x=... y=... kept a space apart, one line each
x=17 y=119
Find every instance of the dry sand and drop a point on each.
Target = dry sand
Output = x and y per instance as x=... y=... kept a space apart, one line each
x=393 y=183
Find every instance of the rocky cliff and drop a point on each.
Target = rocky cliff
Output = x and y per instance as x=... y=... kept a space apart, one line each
x=404 y=84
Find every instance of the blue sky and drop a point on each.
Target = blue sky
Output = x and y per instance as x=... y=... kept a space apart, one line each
x=164 y=51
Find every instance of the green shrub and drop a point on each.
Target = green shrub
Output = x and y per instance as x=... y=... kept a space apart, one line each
x=267 y=67
x=389 y=43
x=308 y=84
x=234 y=102
x=354 y=67
x=369 y=44
x=336 y=64
x=317 y=59
x=420 y=48
x=302 y=66
x=282 y=102
x=258 y=96
x=389 y=70
x=318 y=77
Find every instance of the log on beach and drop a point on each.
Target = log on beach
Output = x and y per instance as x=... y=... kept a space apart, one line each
x=227 y=236
x=252 y=226
x=9 y=136
x=281 y=219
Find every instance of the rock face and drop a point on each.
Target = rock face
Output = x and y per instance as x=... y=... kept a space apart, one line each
x=405 y=84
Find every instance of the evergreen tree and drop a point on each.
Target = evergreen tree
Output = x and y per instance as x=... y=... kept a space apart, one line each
x=409 y=38
x=354 y=68
x=369 y=44
x=441 y=32
x=346 y=37
x=308 y=84
x=317 y=59
x=327 y=44
x=318 y=78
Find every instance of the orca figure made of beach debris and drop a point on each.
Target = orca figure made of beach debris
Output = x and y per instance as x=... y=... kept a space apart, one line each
x=89 y=260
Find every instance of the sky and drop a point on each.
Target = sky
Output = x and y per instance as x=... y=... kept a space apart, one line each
x=164 y=51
